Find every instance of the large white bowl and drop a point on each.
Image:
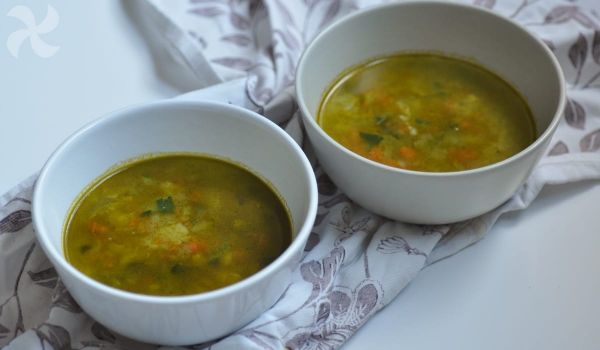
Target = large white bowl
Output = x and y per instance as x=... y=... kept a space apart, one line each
x=460 y=30
x=218 y=129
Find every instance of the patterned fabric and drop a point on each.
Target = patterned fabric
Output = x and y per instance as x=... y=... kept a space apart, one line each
x=355 y=262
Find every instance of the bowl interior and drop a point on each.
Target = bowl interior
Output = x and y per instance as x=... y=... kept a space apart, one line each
x=459 y=30
x=223 y=131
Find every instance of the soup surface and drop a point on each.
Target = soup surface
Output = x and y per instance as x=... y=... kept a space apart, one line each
x=426 y=112
x=175 y=225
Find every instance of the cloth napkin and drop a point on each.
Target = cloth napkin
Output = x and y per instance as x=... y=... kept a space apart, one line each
x=355 y=262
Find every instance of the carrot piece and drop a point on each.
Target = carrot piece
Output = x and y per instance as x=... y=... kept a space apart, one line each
x=384 y=100
x=465 y=125
x=354 y=138
x=196 y=195
x=407 y=152
x=240 y=256
x=195 y=246
x=470 y=125
x=376 y=154
x=464 y=155
x=135 y=221
x=98 y=228
x=403 y=129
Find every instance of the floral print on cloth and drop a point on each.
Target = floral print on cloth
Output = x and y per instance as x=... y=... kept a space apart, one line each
x=355 y=262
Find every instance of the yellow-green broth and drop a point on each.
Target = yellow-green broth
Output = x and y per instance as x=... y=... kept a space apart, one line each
x=176 y=225
x=426 y=112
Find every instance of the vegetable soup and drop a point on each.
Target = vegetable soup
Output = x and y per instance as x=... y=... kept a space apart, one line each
x=426 y=112
x=176 y=224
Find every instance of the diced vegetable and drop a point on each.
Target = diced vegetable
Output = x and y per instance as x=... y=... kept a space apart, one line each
x=195 y=246
x=371 y=139
x=376 y=154
x=165 y=205
x=177 y=269
x=407 y=152
x=214 y=262
x=98 y=228
x=464 y=155
x=381 y=120
x=421 y=121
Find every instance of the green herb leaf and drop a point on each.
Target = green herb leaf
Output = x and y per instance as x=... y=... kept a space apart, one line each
x=177 y=268
x=84 y=248
x=214 y=262
x=215 y=258
x=146 y=213
x=135 y=266
x=371 y=139
x=224 y=248
x=381 y=120
x=165 y=205
x=421 y=121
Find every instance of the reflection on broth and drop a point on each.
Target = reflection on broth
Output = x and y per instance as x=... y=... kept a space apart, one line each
x=426 y=112
x=176 y=225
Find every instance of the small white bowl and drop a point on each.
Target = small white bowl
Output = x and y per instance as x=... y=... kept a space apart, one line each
x=223 y=130
x=477 y=34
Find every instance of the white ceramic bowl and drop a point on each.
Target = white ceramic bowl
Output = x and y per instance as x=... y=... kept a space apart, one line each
x=459 y=30
x=218 y=129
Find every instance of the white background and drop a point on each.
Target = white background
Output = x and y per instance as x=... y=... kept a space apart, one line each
x=532 y=283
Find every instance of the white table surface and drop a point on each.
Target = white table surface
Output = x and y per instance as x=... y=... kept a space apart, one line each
x=532 y=283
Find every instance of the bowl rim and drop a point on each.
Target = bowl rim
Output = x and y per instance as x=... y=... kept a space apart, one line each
x=135 y=111
x=540 y=139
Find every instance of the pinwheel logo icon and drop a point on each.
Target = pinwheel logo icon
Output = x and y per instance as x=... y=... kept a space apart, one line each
x=32 y=31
